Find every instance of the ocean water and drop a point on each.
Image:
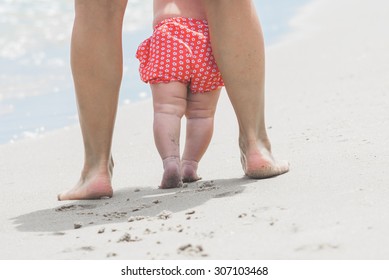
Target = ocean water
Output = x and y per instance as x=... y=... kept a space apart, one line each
x=36 y=87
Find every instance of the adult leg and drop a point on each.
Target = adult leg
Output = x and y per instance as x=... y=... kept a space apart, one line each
x=96 y=60
x=200 y=114
x=241 y=60
x=169 y=101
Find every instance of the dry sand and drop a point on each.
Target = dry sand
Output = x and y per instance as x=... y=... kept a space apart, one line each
x=327 y=112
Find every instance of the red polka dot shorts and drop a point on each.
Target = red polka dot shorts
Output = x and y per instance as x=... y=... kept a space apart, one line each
x=180 y=50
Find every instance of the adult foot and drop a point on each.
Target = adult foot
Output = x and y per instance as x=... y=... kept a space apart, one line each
x=189 y=171
x=171 y=176
x=259 y=163
x=93 y=184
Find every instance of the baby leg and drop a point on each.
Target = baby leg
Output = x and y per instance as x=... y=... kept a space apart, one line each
x=200 y=114
x=169 y=102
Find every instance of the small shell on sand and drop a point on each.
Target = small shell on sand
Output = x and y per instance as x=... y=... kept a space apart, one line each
x=77 y=225
x=190 y=212
x=164 y=215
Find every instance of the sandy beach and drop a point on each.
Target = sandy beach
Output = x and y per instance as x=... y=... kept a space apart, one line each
x=327 y=113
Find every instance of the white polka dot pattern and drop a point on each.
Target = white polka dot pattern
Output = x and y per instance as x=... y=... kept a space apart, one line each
x=180 y=50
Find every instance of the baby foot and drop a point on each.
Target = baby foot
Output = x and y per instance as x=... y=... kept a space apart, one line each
x=189 y=171
x=171 y=176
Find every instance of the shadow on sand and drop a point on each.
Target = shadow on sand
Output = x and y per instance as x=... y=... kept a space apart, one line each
x=128 y=202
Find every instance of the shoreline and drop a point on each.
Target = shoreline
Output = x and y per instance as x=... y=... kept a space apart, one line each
x=326 y=109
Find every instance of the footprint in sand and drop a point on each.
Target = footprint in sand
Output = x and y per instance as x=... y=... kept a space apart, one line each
x=191 y=250
x=73 y=207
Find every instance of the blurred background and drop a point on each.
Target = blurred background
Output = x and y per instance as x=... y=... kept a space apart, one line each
x=36 y=87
